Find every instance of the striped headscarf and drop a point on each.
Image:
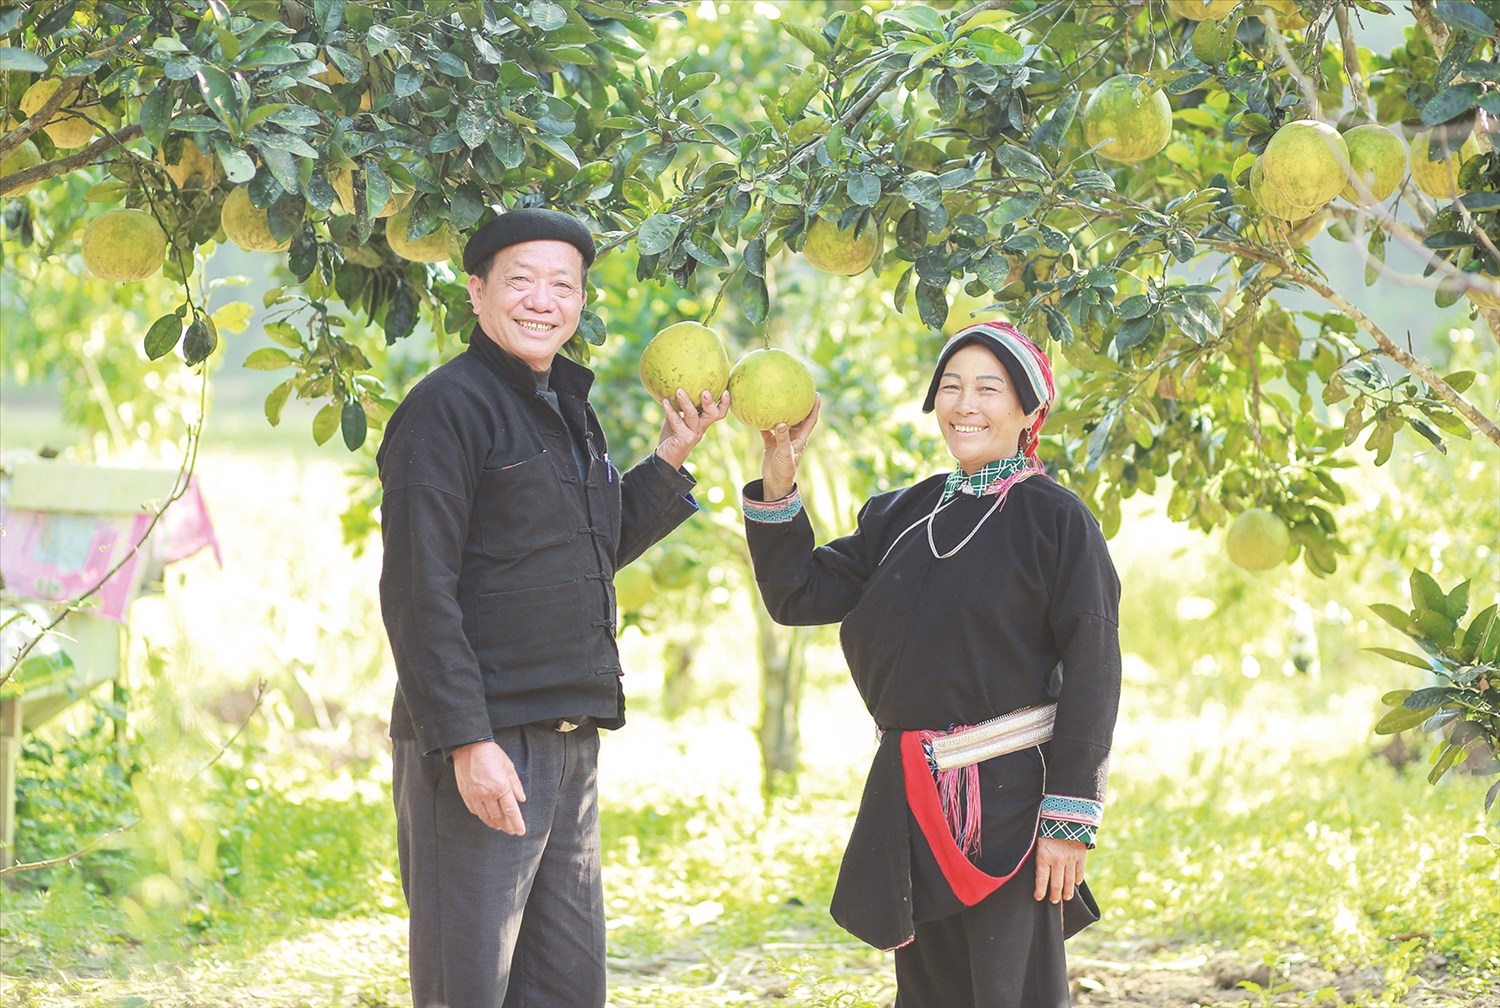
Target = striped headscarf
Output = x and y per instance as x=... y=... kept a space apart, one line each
x=1029 y=369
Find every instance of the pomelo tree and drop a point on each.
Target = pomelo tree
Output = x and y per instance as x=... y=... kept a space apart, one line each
x=975 y=141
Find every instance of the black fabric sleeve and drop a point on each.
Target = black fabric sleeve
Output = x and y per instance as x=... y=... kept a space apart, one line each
x=654 y=499
x=429 y=474
x=803 y=585
x=1085 y=629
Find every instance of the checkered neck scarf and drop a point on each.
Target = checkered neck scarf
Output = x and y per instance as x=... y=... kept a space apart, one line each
x=987 y=479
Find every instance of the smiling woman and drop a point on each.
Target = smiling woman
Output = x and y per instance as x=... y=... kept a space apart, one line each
x=991 y=665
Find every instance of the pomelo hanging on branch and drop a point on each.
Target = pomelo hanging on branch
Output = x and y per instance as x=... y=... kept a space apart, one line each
x=1438 y=179
x=434 y=247
x=1258 y=540
x=66 y=128
x=247 y=225
x=834 y=251
x=190 y=162
x=770 y=387
x=1377 y=156
x=1270 y=200
x=1139 y=128
x=124 y=245
x=1306 y=162
x=343 y=184
x=688 y=356
x=1202 y=10
x=24 y=156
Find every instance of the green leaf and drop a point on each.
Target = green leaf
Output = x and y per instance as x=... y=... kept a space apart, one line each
x=1446 y=761
x=1016 y=208
x=1466 y=17
x=276 y=401
x=918 y=17
x=1397 y=618
x=156 y=114
x=1457 y=603
x=1451 y=101
x=657 y=233
x=163 y=335
x=995 y=47
x=932 y=304
x=269 y=359
x=111 y=191
x=1401 y=656
x=199 y=341
x=548 y=15
x=863 y=188
x=557 y=146
x=21 y=61
x=1022 y=163
x=753 y=298
x=1400 y=719
x=1426 y=593
x=353 y=423
x=1376 y=248
x=325 y=423
x=1436 y=626
x=1055 y=129
x=809 y=37
x=1460 y=380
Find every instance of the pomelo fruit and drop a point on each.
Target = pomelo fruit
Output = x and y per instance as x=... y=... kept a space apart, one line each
x=23 y=157
x=1288 y=15
x=190 y=162
x=1482 y=298
x=65 y=129
x=1202 y=10
x=343 y=184
x=835 y=251
x=1377 y=156
x=1139 y=128
x=1270 y=200
x=688 y=356
x=1258 y=540
x=247 y=225
x=633 y=587
x=1306 y=162
x=1438 y=179
x=434 y=247
x=124 y=245
x=770 y=387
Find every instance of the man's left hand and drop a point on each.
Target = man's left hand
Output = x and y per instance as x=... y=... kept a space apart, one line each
x=686 y=424
x=1059 y=868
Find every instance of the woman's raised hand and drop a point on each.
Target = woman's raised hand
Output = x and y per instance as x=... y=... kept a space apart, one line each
x=784 y=447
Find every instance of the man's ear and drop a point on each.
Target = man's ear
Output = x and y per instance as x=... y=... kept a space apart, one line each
x=476 y=292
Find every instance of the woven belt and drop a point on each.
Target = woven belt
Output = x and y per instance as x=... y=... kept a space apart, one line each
x=1007 y=733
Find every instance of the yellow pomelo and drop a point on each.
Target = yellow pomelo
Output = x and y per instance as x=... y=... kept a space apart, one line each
x=1288 y=15
x=343 y=184
x=1258 y=540
x=247 y=225
x=331 y=76
x=633 y=587
x=434 y=247
x=770 y=387
x=1307 y=162
x=23 y=157
x=65 y=128
x=1269 y=198
x=687 y=356
x=1377 y=156
x=190 y=162
x=1482 y=298
x=1202 y=10
x=124 y=245
x=1438 y=179
x=835 y=251
x=1139 y=128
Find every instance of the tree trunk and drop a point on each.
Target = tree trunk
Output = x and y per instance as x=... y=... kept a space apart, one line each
x=783 y=662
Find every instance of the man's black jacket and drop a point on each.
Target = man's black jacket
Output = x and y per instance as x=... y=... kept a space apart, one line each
x=497 y=587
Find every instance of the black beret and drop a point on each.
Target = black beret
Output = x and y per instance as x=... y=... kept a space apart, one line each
x=528 y=224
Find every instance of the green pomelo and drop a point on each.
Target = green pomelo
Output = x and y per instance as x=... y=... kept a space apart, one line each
x=124 y=245
x=1306 y=162
x=633 y=588
x=1258 y=540
x=1270 y=201
x=1438 y=179
x=1139 y=128
x=1202 y=10
x=835 y=251
x=23 y=157
x=247 y=225
x=1377 y=157
x=687 y=356
x=430 y=248
x=770 y=387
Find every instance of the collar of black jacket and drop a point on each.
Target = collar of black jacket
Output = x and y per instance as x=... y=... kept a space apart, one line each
x=568 y=376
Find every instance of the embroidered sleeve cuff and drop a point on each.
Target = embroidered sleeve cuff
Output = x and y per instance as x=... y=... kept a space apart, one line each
x=1065 y=808
x=774 y=512
x=1061 y=829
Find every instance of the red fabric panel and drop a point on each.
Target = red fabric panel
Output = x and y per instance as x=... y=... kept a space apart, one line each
x=969 y=884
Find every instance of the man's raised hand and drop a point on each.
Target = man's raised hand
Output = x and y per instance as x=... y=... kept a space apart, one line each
x=686 y=424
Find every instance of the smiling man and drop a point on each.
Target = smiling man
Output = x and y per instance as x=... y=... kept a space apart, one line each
x=504 y=523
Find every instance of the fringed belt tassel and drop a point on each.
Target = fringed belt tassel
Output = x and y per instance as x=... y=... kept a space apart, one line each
x=954 y=756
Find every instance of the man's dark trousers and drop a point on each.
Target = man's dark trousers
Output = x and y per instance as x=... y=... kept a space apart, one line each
x=474 y=943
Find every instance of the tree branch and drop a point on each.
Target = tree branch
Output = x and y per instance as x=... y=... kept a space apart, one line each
x=1356 y=76
x=40 y=118
x=1425 y=11
x=85 y=157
